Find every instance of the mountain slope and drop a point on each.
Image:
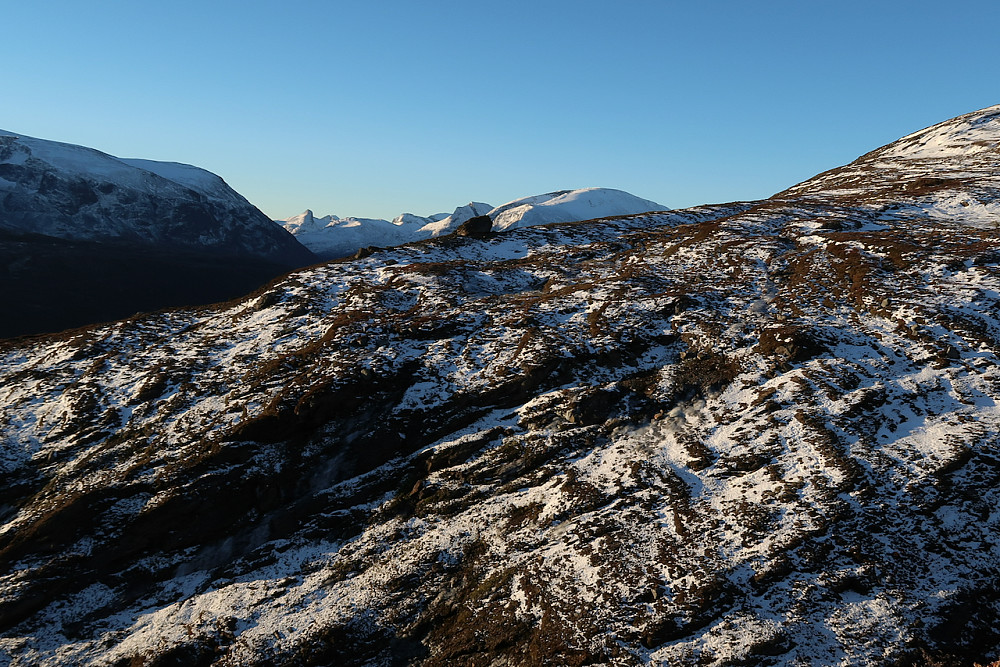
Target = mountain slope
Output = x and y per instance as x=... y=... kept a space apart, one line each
x=947 y=171
x=753 y=433
x=77 y=193
x=87 y=237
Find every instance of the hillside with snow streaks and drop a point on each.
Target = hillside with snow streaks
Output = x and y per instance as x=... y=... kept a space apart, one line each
x=758 y=433
x=332 y=237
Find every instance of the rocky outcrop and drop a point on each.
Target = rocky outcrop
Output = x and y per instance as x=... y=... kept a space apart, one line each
x=478 y=227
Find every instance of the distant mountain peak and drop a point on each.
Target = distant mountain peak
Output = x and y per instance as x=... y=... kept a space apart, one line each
x=570 y=206
x=558 y=206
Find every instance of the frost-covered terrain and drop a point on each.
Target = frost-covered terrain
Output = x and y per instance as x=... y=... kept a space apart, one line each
x=332 y=237
x=759 y=433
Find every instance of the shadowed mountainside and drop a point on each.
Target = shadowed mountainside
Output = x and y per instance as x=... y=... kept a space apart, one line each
x=86 y=237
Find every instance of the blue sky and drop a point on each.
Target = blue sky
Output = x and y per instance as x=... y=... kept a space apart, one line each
x=376 y=108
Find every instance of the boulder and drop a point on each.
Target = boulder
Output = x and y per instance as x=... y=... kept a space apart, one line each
x=478 y=227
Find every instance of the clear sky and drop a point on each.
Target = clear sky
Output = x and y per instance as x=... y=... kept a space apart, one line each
x=374 y=108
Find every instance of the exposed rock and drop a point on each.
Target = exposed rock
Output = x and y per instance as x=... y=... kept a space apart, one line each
x=478 y=227
x=367 y=251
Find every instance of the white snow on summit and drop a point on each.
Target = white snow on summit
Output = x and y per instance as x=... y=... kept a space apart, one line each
x=198 y=179
x=438 y=226
x=78 y=193
x=331 y=237
x=70 y=159
x=973 y=133
x=570 y=206
x=74 y=160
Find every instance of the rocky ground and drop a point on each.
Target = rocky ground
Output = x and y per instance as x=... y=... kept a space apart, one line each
x=744 y=434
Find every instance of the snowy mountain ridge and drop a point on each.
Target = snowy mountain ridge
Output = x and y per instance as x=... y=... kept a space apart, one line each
x=569 y=206
x=333 y=237
x=970 y=135
x=189 y=176
x=955 y=157
x=76 y=193
x=755 y=433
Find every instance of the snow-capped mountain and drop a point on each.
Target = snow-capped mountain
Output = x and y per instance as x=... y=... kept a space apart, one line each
x=86 y=237
x=948 y=165
x=756 y=433
x=440 y=224
x=332 y=237
x=569 y=206
x=75 y=193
